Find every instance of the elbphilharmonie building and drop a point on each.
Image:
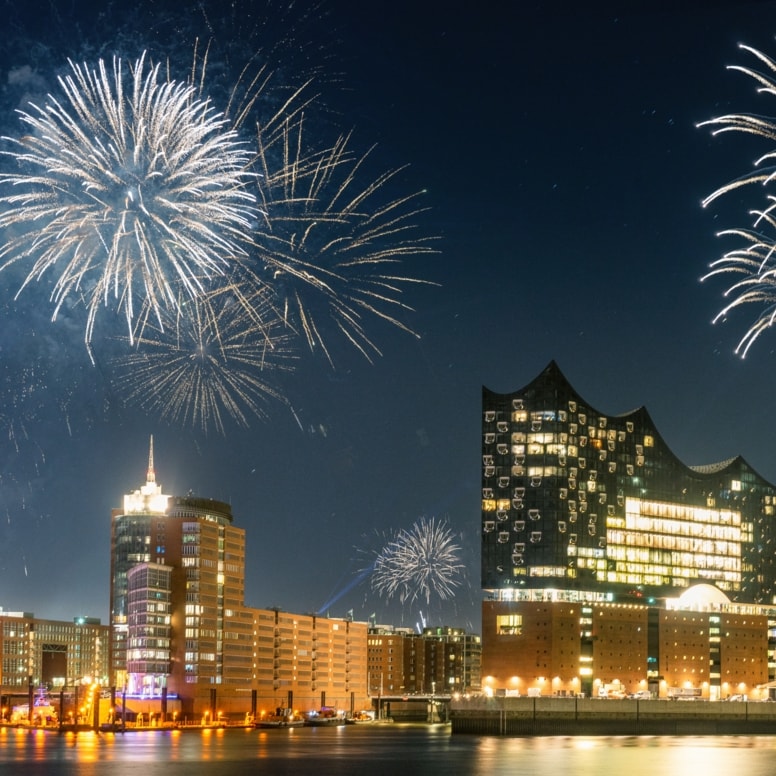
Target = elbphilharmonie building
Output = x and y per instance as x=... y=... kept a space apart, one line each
x=584 y=508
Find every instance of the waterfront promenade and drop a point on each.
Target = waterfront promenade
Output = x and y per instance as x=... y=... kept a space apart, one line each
x=586 y=716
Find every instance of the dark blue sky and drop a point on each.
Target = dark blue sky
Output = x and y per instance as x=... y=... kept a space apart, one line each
x=564 y=170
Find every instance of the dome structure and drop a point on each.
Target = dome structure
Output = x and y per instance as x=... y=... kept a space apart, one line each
x=702 y=596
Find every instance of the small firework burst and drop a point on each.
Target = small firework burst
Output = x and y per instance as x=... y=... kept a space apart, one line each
x=211 y=358
x=419 y=563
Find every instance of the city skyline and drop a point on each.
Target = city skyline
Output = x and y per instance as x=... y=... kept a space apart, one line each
x=564 y=171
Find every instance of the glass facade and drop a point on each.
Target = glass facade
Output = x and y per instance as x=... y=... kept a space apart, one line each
x=149 y=632
x=575 y=499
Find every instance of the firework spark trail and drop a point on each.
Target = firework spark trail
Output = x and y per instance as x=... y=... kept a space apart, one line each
x=208 y=360
x=125 y=193
x=250 y=94
x=333 y=238
x=419 y=563
x=755 y=271
x=753 y=263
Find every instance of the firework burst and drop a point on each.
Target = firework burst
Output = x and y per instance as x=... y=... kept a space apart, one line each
x=419 y=563
x=129 y=198
x=125 y=194
x=334 y=238
x=210 y=358
x=752 y=264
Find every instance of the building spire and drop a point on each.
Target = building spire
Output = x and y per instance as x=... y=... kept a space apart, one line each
x=148 y=499
x=151 y=476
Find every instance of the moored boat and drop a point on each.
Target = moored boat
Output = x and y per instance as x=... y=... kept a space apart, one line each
x=325 y=717
x=361 y=718
x=282 y=718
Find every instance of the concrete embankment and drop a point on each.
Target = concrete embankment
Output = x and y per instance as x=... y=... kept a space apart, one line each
x=584 y=716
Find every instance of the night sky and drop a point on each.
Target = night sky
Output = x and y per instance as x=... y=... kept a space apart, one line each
x=564 y=173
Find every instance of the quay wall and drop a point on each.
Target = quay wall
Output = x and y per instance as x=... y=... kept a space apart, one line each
x=586 y=716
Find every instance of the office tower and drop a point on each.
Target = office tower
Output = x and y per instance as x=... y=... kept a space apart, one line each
x=177 y=585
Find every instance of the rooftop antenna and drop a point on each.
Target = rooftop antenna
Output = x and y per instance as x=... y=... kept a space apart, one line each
x=151 y=476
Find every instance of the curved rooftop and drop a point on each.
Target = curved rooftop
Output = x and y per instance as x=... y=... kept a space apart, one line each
x=552 y=375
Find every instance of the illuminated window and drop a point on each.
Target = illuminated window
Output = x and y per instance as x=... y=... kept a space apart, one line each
x=664 y=543
x=509 y=624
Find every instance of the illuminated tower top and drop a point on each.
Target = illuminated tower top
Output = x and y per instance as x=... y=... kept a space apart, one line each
x=149 y=498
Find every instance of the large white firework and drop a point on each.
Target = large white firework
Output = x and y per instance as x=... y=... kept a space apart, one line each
x=129 y=189
x=752 y=263
x=421 y=562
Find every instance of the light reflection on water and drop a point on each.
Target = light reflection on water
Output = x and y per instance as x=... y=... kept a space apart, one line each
x=373 y=750
x=631 y=756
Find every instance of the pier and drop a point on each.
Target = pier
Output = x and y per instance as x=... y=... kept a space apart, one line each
x=585 y=716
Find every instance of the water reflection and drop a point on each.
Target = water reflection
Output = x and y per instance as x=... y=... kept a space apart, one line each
x=634 y=756
x=375 y=751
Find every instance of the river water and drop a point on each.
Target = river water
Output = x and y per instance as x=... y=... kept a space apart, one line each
x=395 y=750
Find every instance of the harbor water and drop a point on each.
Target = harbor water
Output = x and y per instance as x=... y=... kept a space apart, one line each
x=374 y=750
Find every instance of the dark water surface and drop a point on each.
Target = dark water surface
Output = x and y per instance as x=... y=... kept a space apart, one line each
x=398 y=750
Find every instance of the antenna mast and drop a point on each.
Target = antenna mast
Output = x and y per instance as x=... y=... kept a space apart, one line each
x=151 y=476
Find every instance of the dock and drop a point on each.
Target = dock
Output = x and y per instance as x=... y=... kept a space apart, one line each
x=543 y=716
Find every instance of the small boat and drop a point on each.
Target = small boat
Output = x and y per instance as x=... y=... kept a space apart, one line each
x=282 y=718
x=326 y=717
x=361 y=718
